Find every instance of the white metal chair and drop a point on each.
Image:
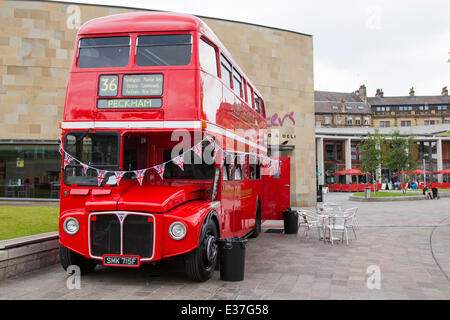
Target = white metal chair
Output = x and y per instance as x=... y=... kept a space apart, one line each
x=339 y=223
x=308 y=220
x=352 y=223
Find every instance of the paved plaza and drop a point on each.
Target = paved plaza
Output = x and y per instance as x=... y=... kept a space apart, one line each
x=408 y=242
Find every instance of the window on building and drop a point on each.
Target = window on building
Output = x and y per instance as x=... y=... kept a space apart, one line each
x=348 y=107
x=358 y=121
x=366 y=121
x=385 y=124
x=29 y=171
x=349 y=121
x=405 y=123
x=334 y=107
x=327 y=120
x=339 y=120
x=318 y=124
x=225 y=71
x=208 y=57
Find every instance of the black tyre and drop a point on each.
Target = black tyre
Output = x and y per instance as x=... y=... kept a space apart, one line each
x=201 y=262
x=67 y=258
x=257 y=229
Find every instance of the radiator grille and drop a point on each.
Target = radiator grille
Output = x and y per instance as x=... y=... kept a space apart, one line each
x=105 y=235
x=133 y=237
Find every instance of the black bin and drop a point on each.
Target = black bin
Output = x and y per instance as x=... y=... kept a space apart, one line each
x=232 y=258
x=319 y=194
x=290 y=221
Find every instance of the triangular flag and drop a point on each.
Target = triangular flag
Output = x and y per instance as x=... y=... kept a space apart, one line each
x=160 y=170
x=85 y=168
x=61 y=149
x=119 y=175
x=140 y=174
x=100 y=176
x=198 y=150
x=67 y=159
x=179 y=161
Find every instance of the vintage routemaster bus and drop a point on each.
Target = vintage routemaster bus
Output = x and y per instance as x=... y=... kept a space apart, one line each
x=141 y=85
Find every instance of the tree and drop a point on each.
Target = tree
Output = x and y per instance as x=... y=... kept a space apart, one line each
x=371 y=155
x=398 y=155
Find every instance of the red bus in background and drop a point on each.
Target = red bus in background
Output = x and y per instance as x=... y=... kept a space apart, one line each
x=139 y=83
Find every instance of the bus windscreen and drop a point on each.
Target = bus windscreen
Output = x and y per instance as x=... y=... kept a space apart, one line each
x=104 y=52
x=98 y=150
x=164 y=50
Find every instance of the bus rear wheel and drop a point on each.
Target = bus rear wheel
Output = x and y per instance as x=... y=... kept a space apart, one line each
x=200 y=263
x=67 y=258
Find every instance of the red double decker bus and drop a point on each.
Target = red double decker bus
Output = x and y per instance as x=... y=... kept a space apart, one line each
x=162 y=144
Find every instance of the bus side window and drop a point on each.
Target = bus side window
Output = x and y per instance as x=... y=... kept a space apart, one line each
x=257 y=103
x=238 y=173
x=263 y=108
x=237 y=82
x=208 y=57
x=249 y=96
x=225 y=70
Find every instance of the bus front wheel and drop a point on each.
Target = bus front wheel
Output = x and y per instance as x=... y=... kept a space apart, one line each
x=200 y=263
x=67 y=258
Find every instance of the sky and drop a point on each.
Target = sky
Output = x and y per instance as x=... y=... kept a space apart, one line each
x=392 y=45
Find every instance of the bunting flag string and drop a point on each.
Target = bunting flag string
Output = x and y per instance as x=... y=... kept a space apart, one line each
x=265 y=161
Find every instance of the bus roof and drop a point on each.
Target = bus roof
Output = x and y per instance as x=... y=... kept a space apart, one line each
x=145 y=21
x=142 y=22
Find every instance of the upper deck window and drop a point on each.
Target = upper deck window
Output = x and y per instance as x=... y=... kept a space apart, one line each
x=226 y=71
x=249 y=95
x=164 y=50
x=207 y=57
x=257 y=103
x=237 y=82
x=104 y=52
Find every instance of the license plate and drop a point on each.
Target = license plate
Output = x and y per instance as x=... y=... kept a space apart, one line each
x=121 y=261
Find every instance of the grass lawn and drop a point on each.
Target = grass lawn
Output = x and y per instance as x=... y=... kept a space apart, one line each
x=387 y=194
x=18 y=221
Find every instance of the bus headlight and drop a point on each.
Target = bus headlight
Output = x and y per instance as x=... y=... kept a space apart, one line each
x=71 y=226
x=177 y=230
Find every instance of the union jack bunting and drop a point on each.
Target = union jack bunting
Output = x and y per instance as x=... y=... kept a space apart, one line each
x=160 y=170
x=67 y=159
x=140 y=174
x=61 y=149
x=179 y=161
x=100 y=176
x=119 y=175
x=85 y=168
x=198 y=150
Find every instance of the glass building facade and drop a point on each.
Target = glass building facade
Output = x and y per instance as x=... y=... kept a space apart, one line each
x=29 y=170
